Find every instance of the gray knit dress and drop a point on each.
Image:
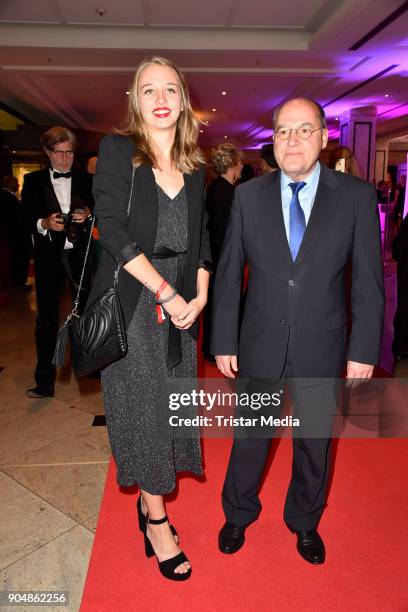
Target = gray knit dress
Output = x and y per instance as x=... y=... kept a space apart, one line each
x=146 y=454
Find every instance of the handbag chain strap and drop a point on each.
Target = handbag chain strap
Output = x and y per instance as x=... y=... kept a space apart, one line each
x=74 y=312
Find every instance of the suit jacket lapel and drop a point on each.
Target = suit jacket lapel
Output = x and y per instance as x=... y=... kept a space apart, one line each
x=51 y=201
x=145 y=207
x=193 y=196
x=272 y=205
x=76 y=191
x=326 y=199
x=49 y=193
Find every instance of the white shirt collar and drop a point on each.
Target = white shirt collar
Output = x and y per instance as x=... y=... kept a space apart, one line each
x=311 y=178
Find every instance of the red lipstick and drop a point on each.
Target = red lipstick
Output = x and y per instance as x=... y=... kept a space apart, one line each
x=161 y=112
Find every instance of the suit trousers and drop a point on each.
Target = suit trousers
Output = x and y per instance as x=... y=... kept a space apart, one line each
x=314 y=404
x=51 y=275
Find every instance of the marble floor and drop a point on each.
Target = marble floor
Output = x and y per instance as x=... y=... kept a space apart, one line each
x=53 y=465
x=53 y=462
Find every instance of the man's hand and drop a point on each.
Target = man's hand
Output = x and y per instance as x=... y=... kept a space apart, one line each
x=188 y=316
x=227 y=365
x=53 y=222
x=358 y=373
x=80 y=217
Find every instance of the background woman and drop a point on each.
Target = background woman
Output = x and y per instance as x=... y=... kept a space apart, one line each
x=163 y=254
x=350 y=163
x=226 y=161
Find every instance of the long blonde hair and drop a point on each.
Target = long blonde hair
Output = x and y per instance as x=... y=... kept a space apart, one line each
x=185 y=153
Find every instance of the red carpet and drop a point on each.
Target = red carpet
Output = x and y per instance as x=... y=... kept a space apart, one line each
x=366 y=542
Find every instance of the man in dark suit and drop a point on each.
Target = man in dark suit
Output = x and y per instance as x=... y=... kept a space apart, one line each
x=58 y=203
x=14 y=233
x=268 y=161
x=297 y=228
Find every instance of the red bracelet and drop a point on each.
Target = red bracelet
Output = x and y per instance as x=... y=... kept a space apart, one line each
x=161 y=289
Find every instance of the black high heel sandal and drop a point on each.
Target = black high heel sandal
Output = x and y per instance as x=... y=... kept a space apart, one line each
x=143 y=519
x=166 y=567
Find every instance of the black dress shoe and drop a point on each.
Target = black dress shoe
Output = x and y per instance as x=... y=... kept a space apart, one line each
x=40 y=391
x=310 y=545
x=231 y=538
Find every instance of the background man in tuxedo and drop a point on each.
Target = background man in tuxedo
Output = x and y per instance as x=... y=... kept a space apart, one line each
x=58 y=202
x=297 y=228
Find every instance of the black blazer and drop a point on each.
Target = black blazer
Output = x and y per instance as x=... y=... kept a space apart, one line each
x=306 y=297
x=39 y=201
x=218 y=205
x=10 y=217
x=120 y=238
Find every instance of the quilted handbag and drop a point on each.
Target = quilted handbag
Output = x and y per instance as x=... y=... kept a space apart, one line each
x=98 y=336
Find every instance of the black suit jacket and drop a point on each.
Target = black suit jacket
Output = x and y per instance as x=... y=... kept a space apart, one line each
x=120 y=237
x=218 y=205
x=306 y=297
x=39 y=201
x=10 y=217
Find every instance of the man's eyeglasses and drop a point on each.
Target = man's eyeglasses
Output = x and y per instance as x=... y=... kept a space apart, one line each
x=61 y=153
x=303 y=132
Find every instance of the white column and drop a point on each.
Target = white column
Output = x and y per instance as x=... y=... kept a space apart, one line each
x=381 y=159
x=358 y=133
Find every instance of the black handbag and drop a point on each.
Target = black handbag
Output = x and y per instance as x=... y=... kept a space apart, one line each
x=98 y=336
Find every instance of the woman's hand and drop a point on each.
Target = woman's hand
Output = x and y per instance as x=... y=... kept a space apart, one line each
x=188 y=316
x=176 y=306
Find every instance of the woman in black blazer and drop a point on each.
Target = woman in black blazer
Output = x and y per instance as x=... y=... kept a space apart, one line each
x=154 y=170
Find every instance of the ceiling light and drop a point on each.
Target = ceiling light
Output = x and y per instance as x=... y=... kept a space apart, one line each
x=336 y=118
x=213 y=110
x=224 y=93
x=127 y=93
x=201 y=131
x=225 y=136
x=386 y=95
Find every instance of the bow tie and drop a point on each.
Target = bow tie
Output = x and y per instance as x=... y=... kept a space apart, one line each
x=58 y=175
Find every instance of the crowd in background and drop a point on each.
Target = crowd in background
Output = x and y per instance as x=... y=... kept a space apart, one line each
x=226 y=169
